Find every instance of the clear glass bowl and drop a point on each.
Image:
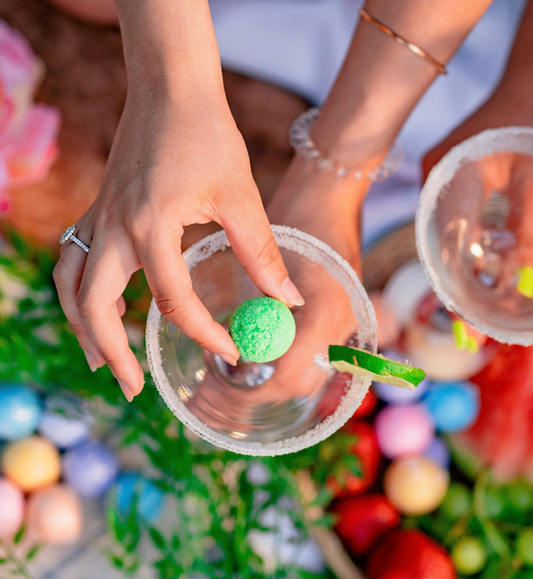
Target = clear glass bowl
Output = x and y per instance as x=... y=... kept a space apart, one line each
x=278 y=407
x=474 y=231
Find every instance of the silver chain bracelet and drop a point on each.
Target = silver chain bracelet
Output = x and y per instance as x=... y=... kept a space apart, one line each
x=301 y=141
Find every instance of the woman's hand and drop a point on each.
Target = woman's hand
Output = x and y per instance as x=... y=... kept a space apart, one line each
x=173 y=163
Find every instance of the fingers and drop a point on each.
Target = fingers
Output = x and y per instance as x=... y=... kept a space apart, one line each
x=98 y=303
x=251 y=238
x=67 y=276
x=171 y=286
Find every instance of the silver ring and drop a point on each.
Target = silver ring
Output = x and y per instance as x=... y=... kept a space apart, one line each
x=69 y=234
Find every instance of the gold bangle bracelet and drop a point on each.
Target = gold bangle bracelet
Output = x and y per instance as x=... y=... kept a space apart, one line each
x=400 y=40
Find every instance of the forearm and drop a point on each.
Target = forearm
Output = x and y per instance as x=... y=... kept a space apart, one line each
x=170 y=45
x=381 y=81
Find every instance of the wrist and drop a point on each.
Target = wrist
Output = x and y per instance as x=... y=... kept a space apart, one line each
x=170 y=47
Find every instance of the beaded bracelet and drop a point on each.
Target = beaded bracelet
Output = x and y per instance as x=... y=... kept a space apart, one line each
x=301 y=141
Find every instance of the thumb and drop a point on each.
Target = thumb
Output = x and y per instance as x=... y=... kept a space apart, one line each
x=252 y=240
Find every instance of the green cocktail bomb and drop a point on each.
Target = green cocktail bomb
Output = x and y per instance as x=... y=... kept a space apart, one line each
x=263 y=329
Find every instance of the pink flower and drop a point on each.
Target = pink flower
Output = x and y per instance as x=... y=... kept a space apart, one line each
x=28 y=131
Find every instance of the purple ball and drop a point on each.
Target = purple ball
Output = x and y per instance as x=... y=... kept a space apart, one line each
x=403 y=430
x=396 y=395
x=438 y=452
x=90 y=469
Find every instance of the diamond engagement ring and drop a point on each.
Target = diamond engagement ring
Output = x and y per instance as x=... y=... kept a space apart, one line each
x=69 y=234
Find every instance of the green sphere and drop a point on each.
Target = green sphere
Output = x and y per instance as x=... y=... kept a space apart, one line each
x=457 y=501
x=263 y=329
x=524 y=546
x=469 y=556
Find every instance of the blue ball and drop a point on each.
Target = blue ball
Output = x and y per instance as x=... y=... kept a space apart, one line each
x=65 y=421
x=454 y=406
x=438 y=452
x=90 y=469
x=150 y=497
x=20 y=411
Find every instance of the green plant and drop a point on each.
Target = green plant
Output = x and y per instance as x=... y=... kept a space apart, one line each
x=216 y=506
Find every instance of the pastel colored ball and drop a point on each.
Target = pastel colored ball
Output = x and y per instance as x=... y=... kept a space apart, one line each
x=453 y=406
x=20 y=411
x=64 y=432
x=55 y=515
x=415 y=484
x=11 y=508
x=130 y=486
x=263 y=329
x=31 y=463
x=90 y=469
x=438 y=452
x=403 y=430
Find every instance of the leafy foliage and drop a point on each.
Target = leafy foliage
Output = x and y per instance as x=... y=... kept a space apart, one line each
x=495 y=514
x=216 y=505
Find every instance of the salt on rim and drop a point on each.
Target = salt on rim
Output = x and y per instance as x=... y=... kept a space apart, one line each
x=507 y=139
x=313 y=249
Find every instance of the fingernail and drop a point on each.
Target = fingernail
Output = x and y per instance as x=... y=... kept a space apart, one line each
x=228 y=359
x=291 y=293
x=460 y=334
x=91 y=360
x=126 y=390
x=473 y=346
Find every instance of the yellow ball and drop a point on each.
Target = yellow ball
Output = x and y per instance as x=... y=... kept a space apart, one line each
x=55 y=515
x=31 y=463
x=415 y=485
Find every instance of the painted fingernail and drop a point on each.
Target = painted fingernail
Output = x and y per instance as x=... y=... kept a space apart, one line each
x=291 y=293
x=228 y=359
x=473 y=345
x=460 y=334
x=126 y=390
x=91 y=360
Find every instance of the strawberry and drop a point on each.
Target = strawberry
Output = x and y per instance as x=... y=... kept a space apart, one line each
x=409 y=555
x=366 y=448
x=363 y=519
x=367 y=405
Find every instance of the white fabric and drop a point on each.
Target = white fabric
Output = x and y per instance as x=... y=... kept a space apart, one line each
x=300 y=44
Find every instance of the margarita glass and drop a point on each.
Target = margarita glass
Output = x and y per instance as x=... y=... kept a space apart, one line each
x=281 y=406
x=474 y=231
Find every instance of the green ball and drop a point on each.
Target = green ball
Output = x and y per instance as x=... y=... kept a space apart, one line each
x=520 y=495
x=469 y=556
x=263 y=329
x=457 y=501
x=524 y=546
x=493 y=502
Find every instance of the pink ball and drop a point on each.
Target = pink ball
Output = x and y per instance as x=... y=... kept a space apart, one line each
x=55 y=515
x=11 y=509
x=403 y=430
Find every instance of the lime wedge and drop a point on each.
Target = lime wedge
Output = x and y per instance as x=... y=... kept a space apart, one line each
x=374 y=366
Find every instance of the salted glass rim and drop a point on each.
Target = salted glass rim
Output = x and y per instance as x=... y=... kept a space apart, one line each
x=296 y=241
x=489 y=142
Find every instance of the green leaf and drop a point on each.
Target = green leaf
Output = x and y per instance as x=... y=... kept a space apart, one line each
x=31 y=554
x=323 y=497
x=157 y=538
x=117 y=562
x=20 y=535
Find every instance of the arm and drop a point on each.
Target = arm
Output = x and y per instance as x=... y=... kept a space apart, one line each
x=377 y=88
x=511 y=102
x=381 y=81
x=177 y=159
